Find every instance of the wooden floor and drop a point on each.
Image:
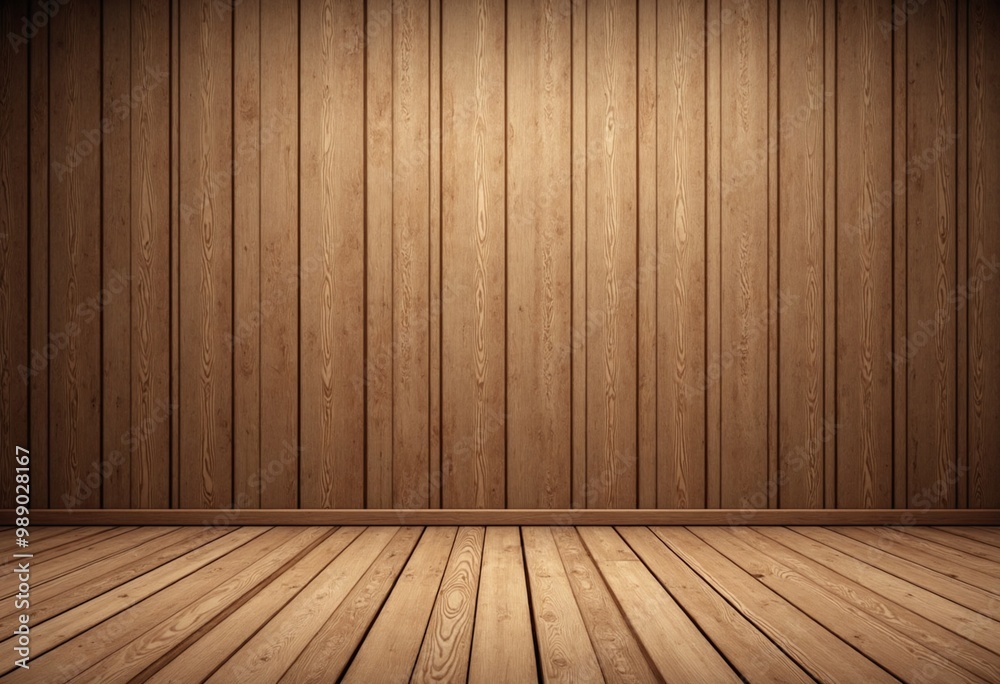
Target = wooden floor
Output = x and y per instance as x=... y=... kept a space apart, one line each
x=391 y=604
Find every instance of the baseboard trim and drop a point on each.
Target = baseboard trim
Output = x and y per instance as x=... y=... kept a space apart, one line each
x=225 y=517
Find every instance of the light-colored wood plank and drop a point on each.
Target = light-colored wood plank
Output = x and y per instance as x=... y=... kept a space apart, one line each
x=621 y=656
x=210 y=648
x=578 y=247
x=273 y=649
x=958 y=542
x=612 y=233
x=953 y=657
x=411 y=260
x=961 y=593
x=434 y=312
x=503 y=649
x=376 y=376
x=678 y=650
x=540 y=257
x=963 y=621
x=749 y=651
x=745 y=306
x=985 y=535
x=821 y=653
x=329 y=652
x=802 y=429
x=333 y=255
x=564 y=648
x=713 y=255
x=390 y=649
x=444 y=655
x=681 y=258
x=473 y=240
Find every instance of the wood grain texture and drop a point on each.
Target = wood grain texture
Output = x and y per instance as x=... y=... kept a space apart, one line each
x=745 y=305
x=14 y=252
x=612 y=227
x=713 y=253
x=540 y=247
x=38 y=294
x=280 y=260
x=899 y=274
x=332 y=257
x=150 y=252
x=376 y=376
x=74 y=257
x=411 y=260
x=801 y=164
x=473 y=240
x=578 y=247
x=116 y=251
x=205 y=260
x=681 y=244
x=864 y=256
x=931 y=257
x=984 y=258
x=246 y=343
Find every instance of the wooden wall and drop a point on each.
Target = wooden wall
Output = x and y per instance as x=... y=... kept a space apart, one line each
x=489 y=253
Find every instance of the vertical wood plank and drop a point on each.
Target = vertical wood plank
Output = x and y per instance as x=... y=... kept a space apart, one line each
x=578 y=247
x=899 y=165
x=681 y=238
x=333 y=276
x=713 y=251
x=830 y=252
x=539 y=250
x=411 y=263
x=377 y=375
x=473 y=255
x=931 y=258
x=75 y=244
x=801 y=167
x=864 y=256
x=150 y=337
x=744 y=262
x=611 y=254
x=205 y=260
x=773 y=234
x=116 y=250
x=13 y=247
x=279 y=260
x=436 y=253
x=984 y=257
x=648 y=255
x=246 y=255
x=175 y=258
x=962 y=253
x=38 y=171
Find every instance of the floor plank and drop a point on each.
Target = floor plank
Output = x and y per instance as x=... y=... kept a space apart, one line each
x=509 y=604
x=503 y=649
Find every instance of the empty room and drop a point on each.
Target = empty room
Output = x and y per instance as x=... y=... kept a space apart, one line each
x=500 y=341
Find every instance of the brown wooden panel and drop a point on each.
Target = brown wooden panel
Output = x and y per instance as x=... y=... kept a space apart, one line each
x=150 y=319
x=473 y=235
x=745 y=305
x=864 y=255
x=681 y=303
x=376 y=376
x=539 y=236
x=713 y=254
x=38 y=171
x=205 y=264
x=279 y=256
x=801 y=246
x=13 y=248
x=332 y=255
x=247 y=184
x=931 y=257
x=578 y=239
x=75 y=262
x=984 y=256
x=611 y=254
x=116 y=251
